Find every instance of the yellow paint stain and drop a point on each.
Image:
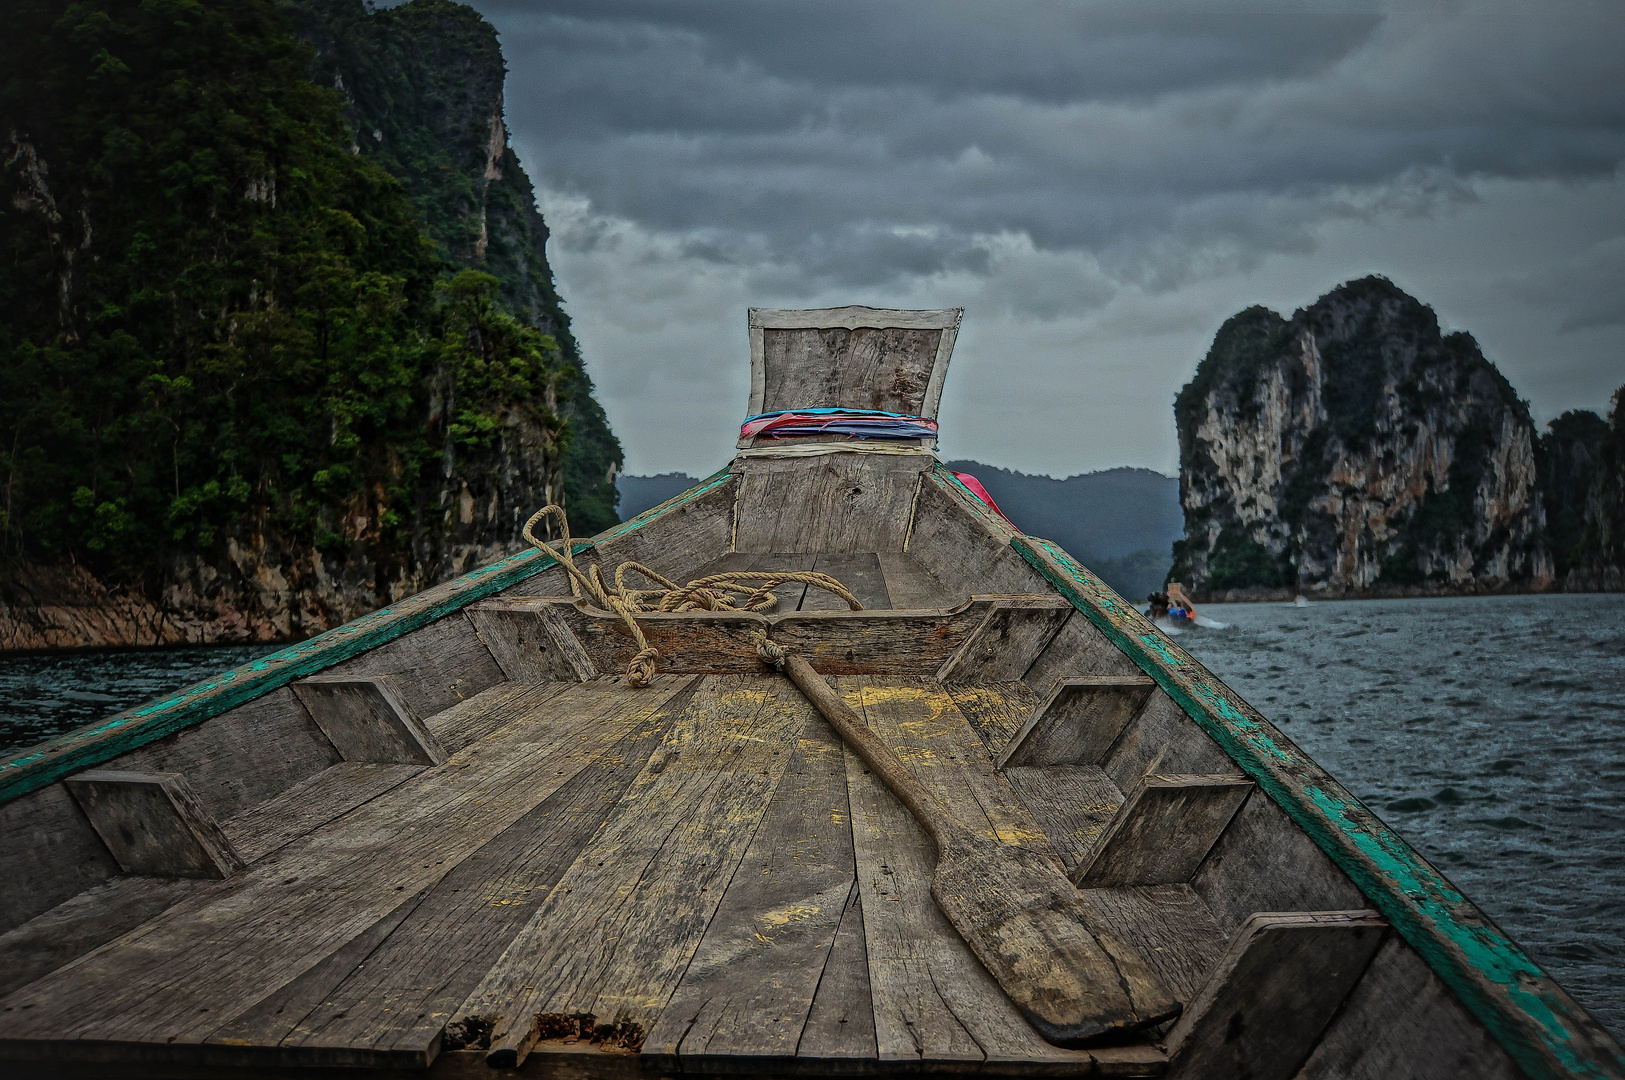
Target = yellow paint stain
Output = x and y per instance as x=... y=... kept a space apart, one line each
x=1018 y=836
x=786 y=915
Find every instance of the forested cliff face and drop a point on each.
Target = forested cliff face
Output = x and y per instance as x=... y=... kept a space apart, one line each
x=259 y=380
x=1597 y=560
x=1354 y=449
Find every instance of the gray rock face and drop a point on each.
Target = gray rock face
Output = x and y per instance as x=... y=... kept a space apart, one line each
x=1353 y=449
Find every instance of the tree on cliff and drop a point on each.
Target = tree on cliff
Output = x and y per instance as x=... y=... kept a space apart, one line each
x=1600 y=556
x=1355 y=447
x=224 y=324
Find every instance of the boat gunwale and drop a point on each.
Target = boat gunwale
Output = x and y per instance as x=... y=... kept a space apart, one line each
x=37 y=766
x=1540 y=1026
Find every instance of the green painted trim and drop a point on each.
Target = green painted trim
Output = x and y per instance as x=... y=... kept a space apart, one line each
x=1544 y=1030
x=35 y=767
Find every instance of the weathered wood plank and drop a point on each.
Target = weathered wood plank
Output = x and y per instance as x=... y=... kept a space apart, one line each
x=433 y=668
x=839 y=502
x=35 y=767
x=1079 y=721
x=917 y=718
x=1545 y=1031
x=400 y=999
x=1402 y=1023
x=368 y=719
x=242 y=757
x=859 y=572
x=1079 y=648
x=910 y=586
x=885 y=368
x=1264 y=862
x=1272 y=994
x=684 y=532
x=529 y=642
x=791 y=593
x=934 y=1003
x=750 y=985
x=720 y=642
x=1163 y=830
x=153 y=824
x=613 y=937
x=841 y=1023
x=178 y=977
x=51 y=853
x=90 y=919
x=995 y=710
x=1073 y=804
x=963 y=544
x=1161 y=738
x=305 y=807
x=1170 y=926
x=1008 y=639
x=489 y=711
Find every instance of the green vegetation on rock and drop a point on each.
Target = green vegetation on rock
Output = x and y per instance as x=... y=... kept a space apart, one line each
x=224 y=323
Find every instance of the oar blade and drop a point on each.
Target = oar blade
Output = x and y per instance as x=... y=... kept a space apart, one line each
x=1073 y=980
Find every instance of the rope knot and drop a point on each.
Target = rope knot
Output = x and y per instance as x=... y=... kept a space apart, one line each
x=772 y=653
x=641 y=671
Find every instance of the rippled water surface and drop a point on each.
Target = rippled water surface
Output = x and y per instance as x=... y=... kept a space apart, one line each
x=45 y=694
x=1489 y=732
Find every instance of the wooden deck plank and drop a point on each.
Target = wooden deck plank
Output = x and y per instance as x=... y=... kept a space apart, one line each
x=52 y=856
x=841 y=1024
x=995 y=710
x=910 y=585
x=178 y=977
x=93 y=918
x=750 y=985
x=486 y=712
x=791 y=593
x=305 y=807
x=1073 y=804
x=917 y=718
x=933 y=1000
x=401 y=998
x=615 y=934
x=859 y=572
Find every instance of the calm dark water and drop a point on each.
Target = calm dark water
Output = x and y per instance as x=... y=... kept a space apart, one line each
x=1488 y=732
x=45 y=694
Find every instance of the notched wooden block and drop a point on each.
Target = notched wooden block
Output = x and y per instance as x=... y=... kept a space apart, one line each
x=1278 y=985
x=1009 y=638
x=153 y=824
x=366 y=720
x=1079 y=720
x=531 y=639
x=1163 y=831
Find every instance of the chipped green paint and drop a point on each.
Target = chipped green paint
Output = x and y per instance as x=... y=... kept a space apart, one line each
x=33 y=768
x=1541 y=1027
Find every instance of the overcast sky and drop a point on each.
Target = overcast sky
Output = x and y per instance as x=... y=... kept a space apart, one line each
x=1098 y=186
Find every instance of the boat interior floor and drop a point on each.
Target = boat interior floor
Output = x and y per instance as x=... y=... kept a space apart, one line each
x=698 y=871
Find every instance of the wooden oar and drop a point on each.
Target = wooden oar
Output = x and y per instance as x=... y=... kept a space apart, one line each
x=1073 y=979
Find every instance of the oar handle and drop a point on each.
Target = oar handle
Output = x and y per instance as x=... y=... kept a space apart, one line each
x=942 y=825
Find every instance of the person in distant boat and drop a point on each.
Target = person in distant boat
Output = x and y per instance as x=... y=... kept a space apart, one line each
x=1159 y=606
x=1180 y=608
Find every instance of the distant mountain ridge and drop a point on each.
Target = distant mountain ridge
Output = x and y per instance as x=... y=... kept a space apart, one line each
x=1120 y=522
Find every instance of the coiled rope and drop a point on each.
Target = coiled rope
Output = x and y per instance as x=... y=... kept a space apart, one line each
x=715 y=592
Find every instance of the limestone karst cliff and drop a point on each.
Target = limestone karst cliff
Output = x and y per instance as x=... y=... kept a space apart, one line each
x=1354 y=449
x=274 y=355
x=1598 y=558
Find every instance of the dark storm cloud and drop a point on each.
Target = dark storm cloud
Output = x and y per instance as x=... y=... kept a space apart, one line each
x=857 y=142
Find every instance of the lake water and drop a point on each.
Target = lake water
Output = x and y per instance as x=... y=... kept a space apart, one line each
x=1489 y=732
